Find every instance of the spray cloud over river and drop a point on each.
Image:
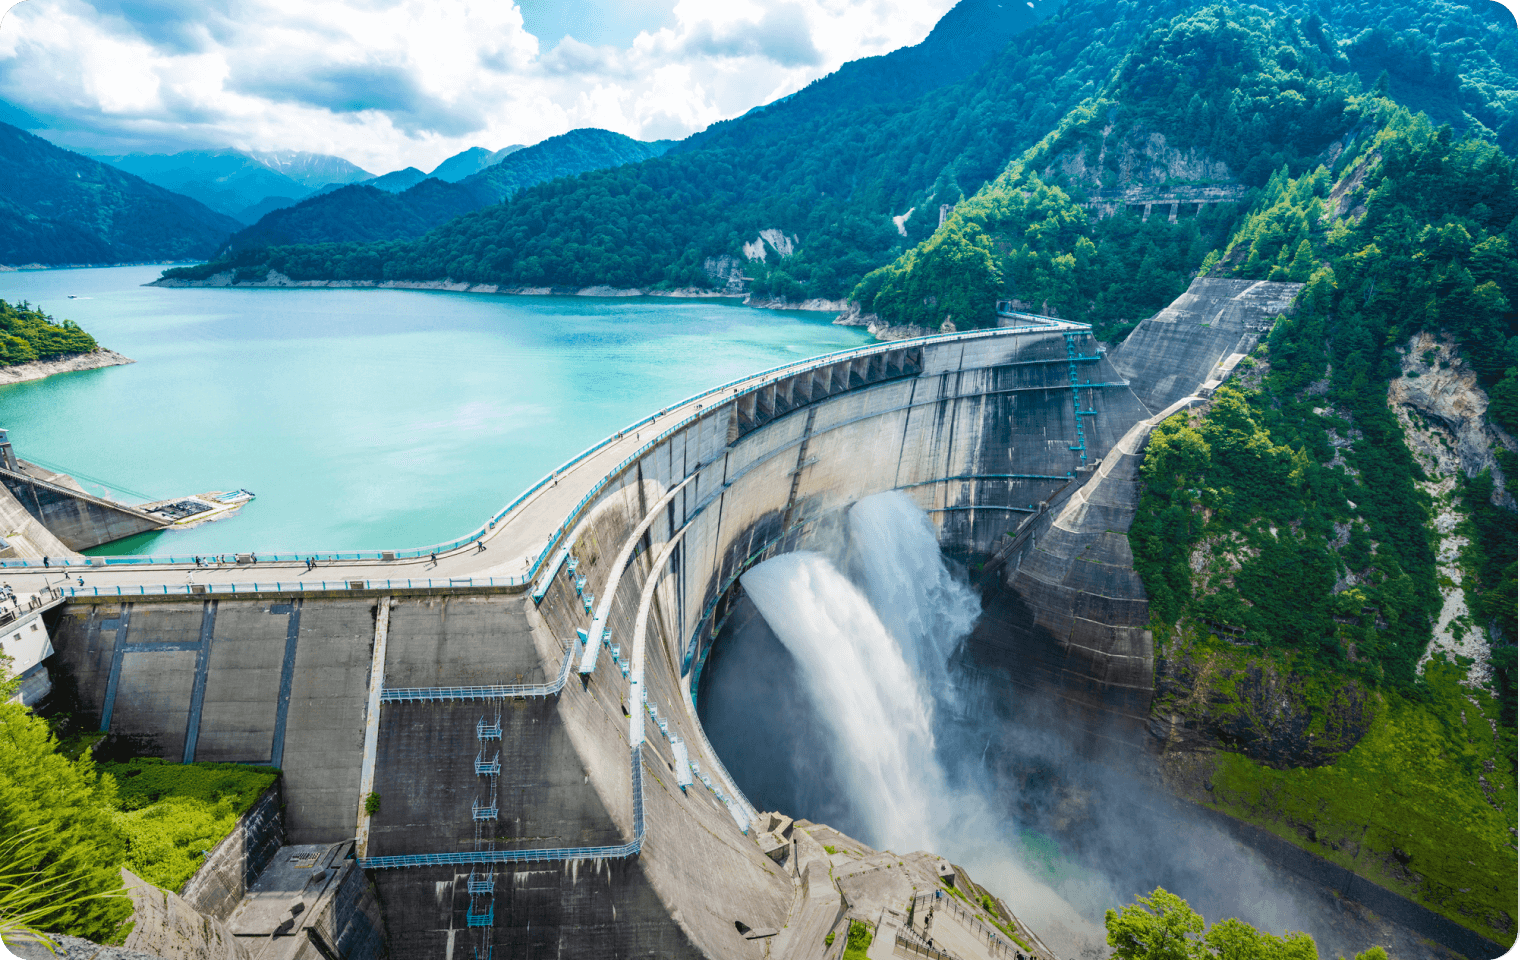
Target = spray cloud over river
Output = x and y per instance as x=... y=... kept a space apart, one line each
x=844 y=697
x=874 y=650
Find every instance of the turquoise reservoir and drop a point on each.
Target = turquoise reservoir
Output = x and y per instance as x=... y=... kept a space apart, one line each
x=362 y=418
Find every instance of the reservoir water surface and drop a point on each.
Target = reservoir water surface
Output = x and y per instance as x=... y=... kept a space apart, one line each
x=362 y=418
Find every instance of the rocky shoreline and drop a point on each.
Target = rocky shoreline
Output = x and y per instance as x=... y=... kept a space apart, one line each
x=38 y=369
x=849 y=314
x=274 y=279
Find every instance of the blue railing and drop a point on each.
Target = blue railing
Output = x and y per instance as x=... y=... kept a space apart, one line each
x=289 y=586
x=487 y=768
x=506 y=691
x=618 y=851
x=481 y=885
x=479 y=811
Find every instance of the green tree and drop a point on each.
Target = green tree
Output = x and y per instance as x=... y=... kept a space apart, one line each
x=1159 y=927
x=1163 y=926
x=1303 y=262
x=65 y=809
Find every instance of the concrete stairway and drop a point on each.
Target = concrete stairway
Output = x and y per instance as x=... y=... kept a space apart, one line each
x=816 y=909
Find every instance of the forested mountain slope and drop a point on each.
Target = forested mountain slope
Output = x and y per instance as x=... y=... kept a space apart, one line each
x=1205 y=106
x=967 y=36
x=834 y=173
x=415 y=204
x=833 y=176
x=1328 y=546
x=61 y=207
x=1317 y=537
x=473 y=160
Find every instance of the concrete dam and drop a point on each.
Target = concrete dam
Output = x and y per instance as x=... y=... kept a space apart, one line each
x=433 y=709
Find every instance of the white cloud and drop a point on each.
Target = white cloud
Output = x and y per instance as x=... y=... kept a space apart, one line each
x=392 y=83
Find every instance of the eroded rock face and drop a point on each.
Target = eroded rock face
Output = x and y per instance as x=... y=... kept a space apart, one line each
x=728 y=271
x=1144 y=158
x=1205 y=700
x=772 y=238
x=1445 y=389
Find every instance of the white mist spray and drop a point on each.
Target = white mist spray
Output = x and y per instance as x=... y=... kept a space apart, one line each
x=863 y=687
x=894 y=557
x=874 y=658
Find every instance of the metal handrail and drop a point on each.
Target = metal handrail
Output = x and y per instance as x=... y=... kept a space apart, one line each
x=996 y=940
x=290 y=586
x=509 y=691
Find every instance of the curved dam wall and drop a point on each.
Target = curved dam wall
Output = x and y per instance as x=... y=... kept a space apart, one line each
x=542 y=780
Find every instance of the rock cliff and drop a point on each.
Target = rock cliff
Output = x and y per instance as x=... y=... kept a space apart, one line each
x=1440 y=387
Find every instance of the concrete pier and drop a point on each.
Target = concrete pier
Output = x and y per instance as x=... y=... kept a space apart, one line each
x=77 y=519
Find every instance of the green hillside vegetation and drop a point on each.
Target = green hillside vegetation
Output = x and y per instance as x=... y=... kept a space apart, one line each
x=1253 y=516
x=1253 y=92
x=72 y=809
x=60 y=207
x=830 y=169
x=360 y=212
x=1424 y=805
x=1452 y=61
x=27 y=334
x=835 y=162
x=1411 y=231
x=154 y=818
x=374 y=212
x=171 y=813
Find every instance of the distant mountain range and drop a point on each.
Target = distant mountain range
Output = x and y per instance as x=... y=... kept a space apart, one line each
x=473 y=160
x=59 y=207
x=240 y=185
x=248 y=185
x=408 y=203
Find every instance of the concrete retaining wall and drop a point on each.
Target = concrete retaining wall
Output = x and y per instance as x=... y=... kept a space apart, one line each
x=24 y=536
x=279 y=682
x=165 y=925
x=224 y=879
x=77 y=519
x=348 y=924
x=1170 y=355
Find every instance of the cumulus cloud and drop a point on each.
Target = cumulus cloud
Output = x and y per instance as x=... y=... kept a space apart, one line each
x=392 y=83
x=781 y=36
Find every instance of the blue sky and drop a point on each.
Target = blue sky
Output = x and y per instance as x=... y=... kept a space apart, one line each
x=392 y=83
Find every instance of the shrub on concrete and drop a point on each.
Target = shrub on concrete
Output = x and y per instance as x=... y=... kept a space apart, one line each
x=172 y=814
x=859 y=940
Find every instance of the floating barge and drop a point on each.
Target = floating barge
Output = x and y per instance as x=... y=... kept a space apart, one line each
x=198 y=509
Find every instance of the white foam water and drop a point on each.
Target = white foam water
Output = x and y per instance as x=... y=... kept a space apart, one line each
x=873 y=651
